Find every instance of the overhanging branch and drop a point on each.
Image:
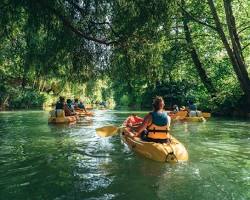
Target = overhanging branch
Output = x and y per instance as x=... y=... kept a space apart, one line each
x=240 y=31
x=68 y=24
x=245 y=46
x=195 y=19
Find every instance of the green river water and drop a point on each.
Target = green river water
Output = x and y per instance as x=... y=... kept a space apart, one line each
x=41 y=161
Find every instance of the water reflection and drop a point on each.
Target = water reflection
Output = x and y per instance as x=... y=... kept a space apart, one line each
x=41 y=161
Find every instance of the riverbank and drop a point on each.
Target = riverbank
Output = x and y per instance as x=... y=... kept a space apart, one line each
x=233 y=114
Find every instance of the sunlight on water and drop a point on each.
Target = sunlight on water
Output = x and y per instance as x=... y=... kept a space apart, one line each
x=41 y=161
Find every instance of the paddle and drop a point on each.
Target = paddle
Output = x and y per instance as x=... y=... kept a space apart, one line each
x=108 y=130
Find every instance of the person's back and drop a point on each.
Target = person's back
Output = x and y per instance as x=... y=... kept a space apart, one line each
x=59 y=105
x=193 y=112
x=192 y=107
x=76 y=104
x=59 y=109
x=175 y=109
x=159 y=118
x=81 y=105
x=69 y=105
x=156 y=124
x=68 y=108
x=157 y=131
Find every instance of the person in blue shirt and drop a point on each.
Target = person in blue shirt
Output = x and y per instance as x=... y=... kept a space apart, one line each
x=60 y=104
x=192 y=108
x=70 y=105
x=82 y=106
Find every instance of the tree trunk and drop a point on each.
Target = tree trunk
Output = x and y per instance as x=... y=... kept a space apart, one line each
x=235 y=58
x=24 y=82
x=232 y=28
x=237 y=49
x=196 y=60
x=43 y=85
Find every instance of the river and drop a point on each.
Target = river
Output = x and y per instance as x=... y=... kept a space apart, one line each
x=41 y=161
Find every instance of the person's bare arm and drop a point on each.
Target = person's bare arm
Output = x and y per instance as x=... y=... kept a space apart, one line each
x=145 y=123
x=169 y=122
x=84 y=109
x=66 y=110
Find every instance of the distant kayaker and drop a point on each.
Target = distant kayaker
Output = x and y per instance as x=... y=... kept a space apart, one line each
x=175 y=108
x=183 y=108
x=70 y=105
x=60 y=103
x=156 y=124
x=82 y=106
x=62 y=106
x=76 y=103
x=59 y=107
x=192 y=109
x=68 y=108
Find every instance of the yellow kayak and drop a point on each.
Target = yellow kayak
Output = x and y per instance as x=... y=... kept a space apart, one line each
x=89 y=107
x=84 y=114
x=178 y=116
x=58 y=117
x=194 y=119
x=183 y=116
x=62 y=120
x=173 y=151
x=206 y=114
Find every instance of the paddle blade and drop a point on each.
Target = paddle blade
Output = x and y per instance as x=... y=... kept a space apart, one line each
x=107 y=131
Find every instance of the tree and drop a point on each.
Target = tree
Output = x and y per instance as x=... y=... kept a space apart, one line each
x=234 y=53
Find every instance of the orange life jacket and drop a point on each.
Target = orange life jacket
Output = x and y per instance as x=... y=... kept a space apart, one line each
x=156 y=131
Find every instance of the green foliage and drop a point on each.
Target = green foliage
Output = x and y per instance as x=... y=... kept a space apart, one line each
x=26 y=99
x=125 y=100
x=123 y=52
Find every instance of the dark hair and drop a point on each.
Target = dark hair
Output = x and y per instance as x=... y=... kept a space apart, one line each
x=61 y=99
x=69 y=101
x=76 y=100
x=156 y=102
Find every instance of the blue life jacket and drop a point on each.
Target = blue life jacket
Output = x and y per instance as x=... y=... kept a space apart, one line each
x=192 y=107
x=59 y=105
x=159 y=118
x=159 y=127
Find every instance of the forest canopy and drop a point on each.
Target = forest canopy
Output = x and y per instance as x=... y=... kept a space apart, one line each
x=127 y=51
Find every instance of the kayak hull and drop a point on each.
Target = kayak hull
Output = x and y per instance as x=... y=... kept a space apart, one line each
x=183 y=116
x=62 y=120
x=173 y=151
x=83 y=114
x=206 y=114
x=194 y=119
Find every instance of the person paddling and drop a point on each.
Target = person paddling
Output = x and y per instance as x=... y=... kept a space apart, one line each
x=155 y=125
x=69 y=109
x=62 y=106
x=60 y=103
x=82 y=106
x=76 y=104
x=192 y=108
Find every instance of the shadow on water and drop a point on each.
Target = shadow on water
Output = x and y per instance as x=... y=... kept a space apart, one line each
x=42 y=161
